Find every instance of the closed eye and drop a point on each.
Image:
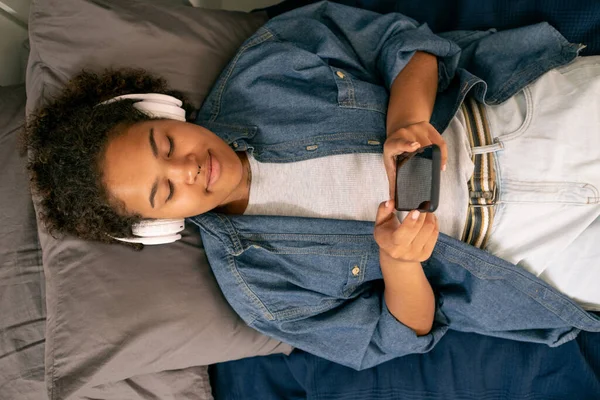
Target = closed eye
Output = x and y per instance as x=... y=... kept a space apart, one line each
x=171 y=146
x=171 y=191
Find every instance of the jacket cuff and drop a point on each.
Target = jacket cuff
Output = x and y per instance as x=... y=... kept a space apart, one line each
x=403 y=46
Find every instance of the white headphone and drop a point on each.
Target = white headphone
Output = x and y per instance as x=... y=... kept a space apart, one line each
x=155 y=231
x=154 y=105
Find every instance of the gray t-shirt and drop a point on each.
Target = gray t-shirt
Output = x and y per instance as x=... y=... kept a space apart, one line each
x=351 y=186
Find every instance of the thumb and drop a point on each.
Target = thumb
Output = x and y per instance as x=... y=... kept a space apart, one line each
x=385 y=214
x=385 y=223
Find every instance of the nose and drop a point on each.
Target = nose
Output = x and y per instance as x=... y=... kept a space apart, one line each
x=183 y=170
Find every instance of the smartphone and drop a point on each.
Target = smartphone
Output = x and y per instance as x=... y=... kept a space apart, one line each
x=418 y=179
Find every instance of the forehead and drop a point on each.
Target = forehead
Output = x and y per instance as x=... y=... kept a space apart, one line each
x=127 y=165
x=129 y=141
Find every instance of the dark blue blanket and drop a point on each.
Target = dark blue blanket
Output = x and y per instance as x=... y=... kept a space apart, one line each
x=461 y=366
x=577 y=20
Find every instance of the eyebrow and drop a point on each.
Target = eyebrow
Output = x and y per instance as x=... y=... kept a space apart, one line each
x=155 y=152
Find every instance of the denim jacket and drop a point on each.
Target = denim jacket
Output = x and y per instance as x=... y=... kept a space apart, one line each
x=315 y=82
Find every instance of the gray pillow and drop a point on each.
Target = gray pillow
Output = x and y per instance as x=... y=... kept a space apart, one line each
x=188 y=46
x=185 y=384
x=114 y=313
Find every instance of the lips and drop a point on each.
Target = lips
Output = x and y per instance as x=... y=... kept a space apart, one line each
x=213 y=171
x=208 y=169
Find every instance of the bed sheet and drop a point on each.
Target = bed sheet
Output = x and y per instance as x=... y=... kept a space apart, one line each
x=22 y=306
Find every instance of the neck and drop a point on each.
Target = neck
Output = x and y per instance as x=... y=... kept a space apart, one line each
x=242 y=194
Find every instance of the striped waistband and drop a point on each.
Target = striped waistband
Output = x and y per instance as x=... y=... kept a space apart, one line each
x=482 y=185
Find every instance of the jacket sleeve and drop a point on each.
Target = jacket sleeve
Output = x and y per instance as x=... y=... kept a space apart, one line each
x=375 y=45
x=358 y=333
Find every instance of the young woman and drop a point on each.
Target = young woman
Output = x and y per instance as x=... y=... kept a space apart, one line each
x=291 y=161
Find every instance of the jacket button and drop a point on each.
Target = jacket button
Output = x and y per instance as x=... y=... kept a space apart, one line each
x=355 y=270
x=340 y=74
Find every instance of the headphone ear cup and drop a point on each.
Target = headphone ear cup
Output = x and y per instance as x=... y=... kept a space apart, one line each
x=155 y=105
x=158 y=227
x=159 y=110
x=153 y=240
x=157 y=98
x=155 y=231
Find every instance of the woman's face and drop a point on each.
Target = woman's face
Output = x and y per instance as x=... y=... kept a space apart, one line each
x=171 y=169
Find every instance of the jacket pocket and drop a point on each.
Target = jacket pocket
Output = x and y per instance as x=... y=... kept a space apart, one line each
x=358 y=94
x=299 y=275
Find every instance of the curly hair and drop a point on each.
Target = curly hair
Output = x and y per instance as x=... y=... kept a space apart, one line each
x=66 y=141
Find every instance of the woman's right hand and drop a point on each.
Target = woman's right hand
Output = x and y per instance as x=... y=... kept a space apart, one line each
x=408 y=139
x=412 y=240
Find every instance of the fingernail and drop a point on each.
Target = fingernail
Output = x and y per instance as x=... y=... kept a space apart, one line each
x=413 y=144
x=444 y=167
x=415 y=214
x=387 y=204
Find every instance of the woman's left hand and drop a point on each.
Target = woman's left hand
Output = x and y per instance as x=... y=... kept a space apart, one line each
x=409 y=139
x=411 y=241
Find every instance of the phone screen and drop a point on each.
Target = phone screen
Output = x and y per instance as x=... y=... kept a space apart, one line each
x=417 y=181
